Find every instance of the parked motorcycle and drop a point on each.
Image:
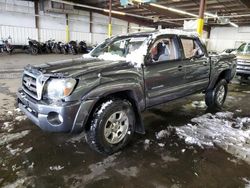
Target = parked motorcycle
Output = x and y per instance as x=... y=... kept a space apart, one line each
x=6 y=46
x=82 y=47
x=36 y=47
x=72 y=47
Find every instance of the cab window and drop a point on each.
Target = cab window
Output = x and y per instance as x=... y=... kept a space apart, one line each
x=191 y=47
x=164 y=49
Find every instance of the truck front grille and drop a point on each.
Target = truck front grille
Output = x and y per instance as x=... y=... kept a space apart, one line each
x=30 y=85
x=243 y=65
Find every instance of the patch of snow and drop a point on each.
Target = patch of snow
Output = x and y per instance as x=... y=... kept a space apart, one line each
x=129 y=172
x=87 y=56
x=7 y=138
x=7 y=126
x=13 y=151
x=162 y=134
x=104 y=105
x=147 y=141
x=17 y=110
x=136 y=58
x=31 y=165
x=167 y=158
x=199 y=104
x=27 y=150
x=174 y=31
x=219 y=130
x=18 y=183
x=10 y=113
x=111 y=57
x=161 y=144
x=20 y=118
x=247 y=182
x=56 y=168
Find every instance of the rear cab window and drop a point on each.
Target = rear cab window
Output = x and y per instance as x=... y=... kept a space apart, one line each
x=192 y=47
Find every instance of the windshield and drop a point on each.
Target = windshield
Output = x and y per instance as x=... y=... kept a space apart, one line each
x=119 y=46
x=244 y=48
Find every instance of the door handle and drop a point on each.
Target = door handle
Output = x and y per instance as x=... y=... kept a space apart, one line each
x=180 y=68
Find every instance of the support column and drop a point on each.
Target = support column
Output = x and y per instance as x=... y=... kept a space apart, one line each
x=67 y=28
x=200 y=21
x=91 y=26
x=110 y=19
x=37 y=20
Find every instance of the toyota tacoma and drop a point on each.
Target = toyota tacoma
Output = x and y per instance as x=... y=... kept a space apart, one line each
x=104 y=92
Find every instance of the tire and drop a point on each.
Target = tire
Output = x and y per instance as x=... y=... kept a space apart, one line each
x=74 y=51
x=64 y=51
x=215 y=98
x=34 y=50
x=114 y=140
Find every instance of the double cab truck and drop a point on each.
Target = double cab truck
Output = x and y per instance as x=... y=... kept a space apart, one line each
x=104 y=92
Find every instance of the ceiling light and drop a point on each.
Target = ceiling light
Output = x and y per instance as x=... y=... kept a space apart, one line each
x=173 y=10
x=115 y=12
x=233 y=24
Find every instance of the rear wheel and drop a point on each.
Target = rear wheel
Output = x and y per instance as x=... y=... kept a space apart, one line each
x=112 y=126
x=216 y=97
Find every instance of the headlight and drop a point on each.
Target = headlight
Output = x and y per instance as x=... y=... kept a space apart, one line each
x=60 y=88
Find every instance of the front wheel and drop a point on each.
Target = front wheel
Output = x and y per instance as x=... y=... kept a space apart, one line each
x=216 y=97
x=112 y=126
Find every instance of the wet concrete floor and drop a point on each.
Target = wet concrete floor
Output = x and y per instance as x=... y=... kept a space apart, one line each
x=38 y=159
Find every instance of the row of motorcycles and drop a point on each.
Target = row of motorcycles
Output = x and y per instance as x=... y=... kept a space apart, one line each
x=51 y=46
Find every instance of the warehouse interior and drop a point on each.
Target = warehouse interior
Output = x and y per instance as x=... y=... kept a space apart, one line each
x=185 y=143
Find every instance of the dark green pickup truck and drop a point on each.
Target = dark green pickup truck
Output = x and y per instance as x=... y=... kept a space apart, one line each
x=104 y=92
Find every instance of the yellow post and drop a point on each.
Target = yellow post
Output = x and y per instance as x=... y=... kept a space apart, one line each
x=67 y=28
x=110 y=30
x=200 y=24
x=110 y=19
x=200 y=21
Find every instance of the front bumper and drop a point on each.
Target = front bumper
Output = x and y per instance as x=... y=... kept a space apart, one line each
x=63 y=117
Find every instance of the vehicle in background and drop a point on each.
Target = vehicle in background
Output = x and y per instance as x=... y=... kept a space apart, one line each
x=243 y=61
x=229 y=51
x=105 y=92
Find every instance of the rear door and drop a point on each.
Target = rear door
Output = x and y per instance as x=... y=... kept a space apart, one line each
x=196 y=63
x=164 y=73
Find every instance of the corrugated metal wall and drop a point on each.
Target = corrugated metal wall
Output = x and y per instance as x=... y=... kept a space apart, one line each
x=19 y=35
x=17 y=20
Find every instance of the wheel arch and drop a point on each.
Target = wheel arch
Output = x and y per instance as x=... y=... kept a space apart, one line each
x=124 y=94
x=225 y=74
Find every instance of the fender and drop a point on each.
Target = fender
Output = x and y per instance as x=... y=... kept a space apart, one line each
x=134 y=92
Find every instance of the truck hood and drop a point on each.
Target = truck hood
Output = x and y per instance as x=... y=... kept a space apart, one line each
x=78 y=67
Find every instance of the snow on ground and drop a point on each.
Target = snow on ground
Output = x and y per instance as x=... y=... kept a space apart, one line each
x=222 y=130
x=199 y=104
x=162 y=134
x=56 y=168
x=7 y=138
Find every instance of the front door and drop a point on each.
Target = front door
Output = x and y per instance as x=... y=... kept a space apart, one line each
x=164 y=73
